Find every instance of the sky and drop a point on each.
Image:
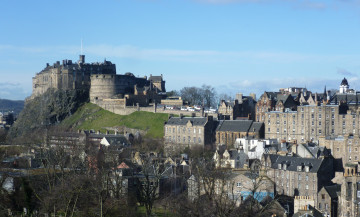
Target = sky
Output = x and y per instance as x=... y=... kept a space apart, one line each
x=246 y=46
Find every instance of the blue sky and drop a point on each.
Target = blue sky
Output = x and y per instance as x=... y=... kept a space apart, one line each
x=234 y=45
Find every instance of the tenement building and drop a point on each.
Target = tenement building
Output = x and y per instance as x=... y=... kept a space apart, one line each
x=318 y=115
x=295 y=176
x=275 y=101
x=243 y=107
x=190 y=132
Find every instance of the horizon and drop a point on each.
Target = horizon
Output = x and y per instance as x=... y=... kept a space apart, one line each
x=233 y=45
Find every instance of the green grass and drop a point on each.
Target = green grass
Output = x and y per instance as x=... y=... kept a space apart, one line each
x=91 y=116
x=158 y=212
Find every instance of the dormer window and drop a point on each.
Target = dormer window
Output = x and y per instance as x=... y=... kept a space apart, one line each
x=299 y=168
x=284 y=167
x=279 y=166
x=307 y=168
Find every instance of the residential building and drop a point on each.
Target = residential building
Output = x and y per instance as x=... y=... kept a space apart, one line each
x=328 y=200
x=190 y=131
x=243 y=107
x=228 y=131
x=295 y=176
x=232 y=158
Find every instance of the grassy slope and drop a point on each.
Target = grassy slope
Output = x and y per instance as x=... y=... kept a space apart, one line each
x=91 y=116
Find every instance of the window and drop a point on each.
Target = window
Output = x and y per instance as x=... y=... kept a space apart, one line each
x=299 y=177
x=189 y=139
x=194 y=130
x=199 y=131
x=323 y=196
x=284 y=122
x=238 y=184
x=332 y=123
x=319 y=205
x=319 y=123
x=306 y=186
x=326 y=206
x=332 y=116
x=307 y=178
x=199 y=140
x=268 y=129
x=299 y=168
x=194 y=139
x=174 y=130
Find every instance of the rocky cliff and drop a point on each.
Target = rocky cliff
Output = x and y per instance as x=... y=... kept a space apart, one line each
x=47 y=109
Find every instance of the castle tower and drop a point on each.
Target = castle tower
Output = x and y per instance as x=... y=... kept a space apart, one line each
x=82 y=59
x=344 y=86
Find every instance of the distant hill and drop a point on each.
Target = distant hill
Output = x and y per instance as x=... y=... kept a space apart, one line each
x=11 y=105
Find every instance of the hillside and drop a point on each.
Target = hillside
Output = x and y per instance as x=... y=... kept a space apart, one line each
x=91 y=116
x=11 y=105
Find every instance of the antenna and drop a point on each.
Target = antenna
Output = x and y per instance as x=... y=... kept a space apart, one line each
x=81 y=49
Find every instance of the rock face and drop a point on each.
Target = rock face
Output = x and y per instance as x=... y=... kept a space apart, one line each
x=49 y=108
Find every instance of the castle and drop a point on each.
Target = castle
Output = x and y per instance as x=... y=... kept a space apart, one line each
x=100 y=79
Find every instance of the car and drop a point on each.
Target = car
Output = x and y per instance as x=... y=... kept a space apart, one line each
x=183 y=108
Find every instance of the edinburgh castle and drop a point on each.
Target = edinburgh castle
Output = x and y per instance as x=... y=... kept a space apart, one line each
x=100 y=79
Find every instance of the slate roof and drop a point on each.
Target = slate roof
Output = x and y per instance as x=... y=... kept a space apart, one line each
x=332 y=190
x=196 y=121
x=234 y=125
x=116 y=140
x=292 y=162
x=272 y=95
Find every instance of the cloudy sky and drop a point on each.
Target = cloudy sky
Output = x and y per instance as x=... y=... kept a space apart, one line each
x=234 y=45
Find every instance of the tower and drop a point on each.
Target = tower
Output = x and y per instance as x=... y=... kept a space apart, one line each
x=344 y=86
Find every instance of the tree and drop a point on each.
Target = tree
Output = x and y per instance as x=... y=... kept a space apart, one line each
x=148 y=183
x=205 y=95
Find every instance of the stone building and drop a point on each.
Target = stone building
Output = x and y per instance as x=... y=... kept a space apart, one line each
x=232 y=158
x=274 y=101
x=346 y=148
x=349 y=198
x=69 y=75
x=317 y=115
x=228 y=131
x=295 y=176
x=243 y=107
x=328 y=200
x=190 y=132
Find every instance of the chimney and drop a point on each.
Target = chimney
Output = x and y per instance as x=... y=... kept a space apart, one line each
x=239 y=97
x=253 y=95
